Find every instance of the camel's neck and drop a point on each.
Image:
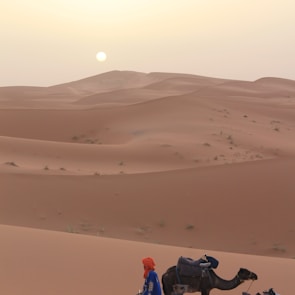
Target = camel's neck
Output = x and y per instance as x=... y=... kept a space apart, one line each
x=222 y=284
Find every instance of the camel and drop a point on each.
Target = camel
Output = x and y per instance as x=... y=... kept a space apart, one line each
x=175 y=284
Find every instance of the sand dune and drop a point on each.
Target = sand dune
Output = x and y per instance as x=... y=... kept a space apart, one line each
x=227 y=207
x=116 y=80
x=160 y=161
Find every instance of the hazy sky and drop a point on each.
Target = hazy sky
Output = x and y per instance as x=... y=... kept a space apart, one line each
x=47 y=42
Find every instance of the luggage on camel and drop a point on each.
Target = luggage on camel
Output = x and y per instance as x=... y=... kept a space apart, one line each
x=193 y=268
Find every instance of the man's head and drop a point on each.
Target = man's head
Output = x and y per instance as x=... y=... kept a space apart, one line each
x=148 y=265
x=148 y=262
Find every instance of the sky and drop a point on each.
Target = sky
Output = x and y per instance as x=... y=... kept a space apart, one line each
x=49 y=42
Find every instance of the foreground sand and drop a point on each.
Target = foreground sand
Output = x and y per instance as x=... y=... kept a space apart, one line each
x=158 y=161
x=46 y=262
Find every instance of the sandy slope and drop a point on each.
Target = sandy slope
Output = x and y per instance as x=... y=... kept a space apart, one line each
x=226 y=207
x=161 y=158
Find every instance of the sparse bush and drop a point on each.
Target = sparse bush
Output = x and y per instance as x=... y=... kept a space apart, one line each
x=101 y=231
x=161 y=223
x=89 y=140
x=70 y=229
x=11 y=164
x=142 y=230
x=190 y=227
x=230 y=139
x=278 y=248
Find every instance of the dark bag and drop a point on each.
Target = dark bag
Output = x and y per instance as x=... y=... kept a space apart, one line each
x=193 y=268
x=214 y=262
x=189 y=267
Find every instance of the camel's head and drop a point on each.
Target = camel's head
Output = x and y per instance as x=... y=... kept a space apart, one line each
x=244 y=274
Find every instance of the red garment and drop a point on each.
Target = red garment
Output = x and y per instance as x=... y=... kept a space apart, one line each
x=148 y=264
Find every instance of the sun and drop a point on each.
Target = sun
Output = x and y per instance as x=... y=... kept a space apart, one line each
x=101 y=56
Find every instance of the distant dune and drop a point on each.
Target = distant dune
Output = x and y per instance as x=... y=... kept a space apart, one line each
x=97 y=173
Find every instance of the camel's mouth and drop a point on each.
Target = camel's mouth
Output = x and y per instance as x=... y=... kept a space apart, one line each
x=253 y=276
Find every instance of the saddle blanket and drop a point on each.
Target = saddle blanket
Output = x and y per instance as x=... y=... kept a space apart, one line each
x=193 y=268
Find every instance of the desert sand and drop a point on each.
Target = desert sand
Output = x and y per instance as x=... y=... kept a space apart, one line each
x=98 y=173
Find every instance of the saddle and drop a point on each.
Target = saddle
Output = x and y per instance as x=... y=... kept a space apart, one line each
x=195 y=268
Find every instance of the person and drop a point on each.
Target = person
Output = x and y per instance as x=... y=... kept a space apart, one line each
x=151 y=281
